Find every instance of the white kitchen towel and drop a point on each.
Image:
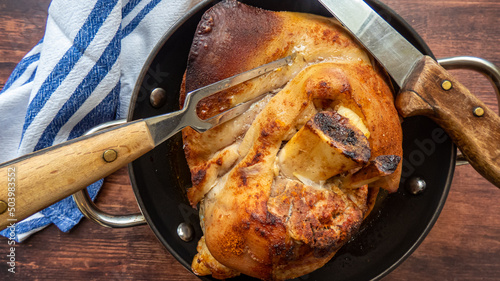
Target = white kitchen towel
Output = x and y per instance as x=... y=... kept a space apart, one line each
x=80 y=74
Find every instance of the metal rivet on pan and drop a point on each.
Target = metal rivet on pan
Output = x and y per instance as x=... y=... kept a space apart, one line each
x=415 y=185
x=158 y=97
x=446 y=85
x=185 y=232
x=3 y=207
x=110 y=155
x=478 y=111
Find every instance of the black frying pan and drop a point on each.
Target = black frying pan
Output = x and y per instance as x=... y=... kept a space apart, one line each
x=396 y=227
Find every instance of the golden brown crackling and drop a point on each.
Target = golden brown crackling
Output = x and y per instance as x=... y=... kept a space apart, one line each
x=289 y=30
x=322 y=222
x=242 y=37
x=256 y=240
x=247 y=28
x=203 y=176
x=386 y=133
x=250 y=180
x=205 y=264
x=248 y=186
x=319 y=218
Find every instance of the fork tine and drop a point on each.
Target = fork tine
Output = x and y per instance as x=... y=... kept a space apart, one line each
x=229 y=114
x=164 y=126
x=229 y=82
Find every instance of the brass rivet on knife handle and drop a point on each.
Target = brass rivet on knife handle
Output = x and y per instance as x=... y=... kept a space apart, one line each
x=110 y=155
x=477 y=138
x=446 y=85
x=478 y=111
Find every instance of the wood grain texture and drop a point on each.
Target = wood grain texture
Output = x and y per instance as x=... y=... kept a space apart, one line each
x=452 y=108
x=464 y=244
x=21 y=27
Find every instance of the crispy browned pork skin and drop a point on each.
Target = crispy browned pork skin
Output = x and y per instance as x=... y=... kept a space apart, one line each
x=282 y=187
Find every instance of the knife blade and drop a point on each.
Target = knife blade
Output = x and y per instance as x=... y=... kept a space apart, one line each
x=393 y=51
x=426 y=88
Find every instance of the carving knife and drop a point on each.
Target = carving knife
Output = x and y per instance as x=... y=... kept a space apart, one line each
x=426 y=88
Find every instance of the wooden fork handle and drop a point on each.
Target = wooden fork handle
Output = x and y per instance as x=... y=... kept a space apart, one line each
x=475 y=129
x=37 y=180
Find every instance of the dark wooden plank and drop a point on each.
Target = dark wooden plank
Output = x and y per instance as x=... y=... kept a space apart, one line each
x=92 y=251
x=22 y=24
x=463 y=245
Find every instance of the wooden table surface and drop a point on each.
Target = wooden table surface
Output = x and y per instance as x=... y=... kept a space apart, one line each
x=463 y=245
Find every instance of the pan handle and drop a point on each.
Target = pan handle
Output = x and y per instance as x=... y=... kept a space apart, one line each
x=92 y=212
x=488 y=69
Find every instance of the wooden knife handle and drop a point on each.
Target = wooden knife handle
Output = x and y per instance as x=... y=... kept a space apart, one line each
x=475 y=129
x=32 y=182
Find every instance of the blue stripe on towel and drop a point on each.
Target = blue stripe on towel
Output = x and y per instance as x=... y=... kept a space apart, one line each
x=85 y=35
x=25 y=226
x=68 y=207
x=135 y=22
x=129 y=7
x=15 y=75
x=32 y=77
x=104 y=112
x=20 y=69
x=82 y=92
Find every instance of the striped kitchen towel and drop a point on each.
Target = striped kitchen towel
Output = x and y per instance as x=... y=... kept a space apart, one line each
x=80 y=74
